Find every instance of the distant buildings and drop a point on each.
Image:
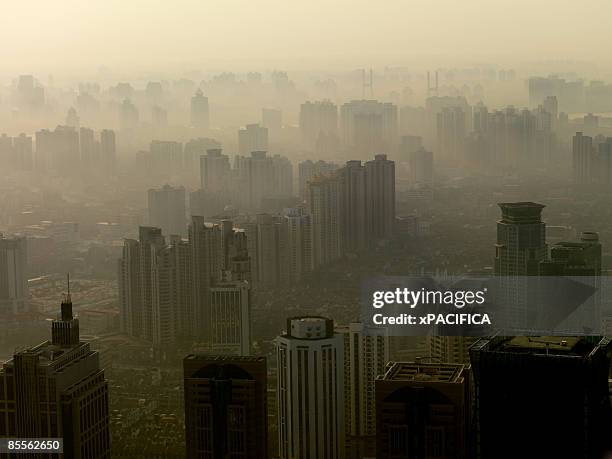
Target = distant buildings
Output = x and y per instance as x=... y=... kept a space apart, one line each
x=58 y=390
x=369 y=126
x=310 y=390
x=225 y=407
x=200 y=116
x=167 y=210
x=13 y=275
x=319 y=124
x=252 y=138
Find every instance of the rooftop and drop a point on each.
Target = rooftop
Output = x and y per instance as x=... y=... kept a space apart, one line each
x=433 y=372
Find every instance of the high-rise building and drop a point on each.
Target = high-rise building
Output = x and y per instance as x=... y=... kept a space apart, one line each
x=225 y=407
x=525 y=385
x=252 y=137
x=167 y=210
x=87 y=146
x=451 y=133
x=423 y=410
x=256 y=178
x=366 y=353
x=355 y=212
x=272 y=119
x=325 y=207
x=128 y=115
x=583 y=159
x=420 y=164
x=310 y=390
x=58 y=390
x=267 y=247
x=308 y=170
x=318 y=120
x=298 y=256
x=214 y=171
x=380 y=196
x=230 y=317
x=13 y=275
x=369 y=126
x=22 y=149
x=159 y=116
x=200 y=117
x=108 y=151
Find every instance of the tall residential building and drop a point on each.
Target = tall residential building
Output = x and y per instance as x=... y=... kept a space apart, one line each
x=380 y=196
x=318 y=120
x=58 y=390
x=525 y=385
x=272 y=119
x=308 y=170
x=58 y=149
x=356 y=221
x=108 y=151
x=214 y=171
x=366 y=353
x=282 y=173
x=369 y=126
x=261 y=176
x=167 y=210
x=200 y=117
x=423 y=411
x=128 y=115
x=325 y=207
x=88 y=146
x=230 y=317
x=420 y=165
x=310 y=390
x=13 y=275
x=451 y=133
x=252 y=137
x=226 y=413
x=298 y=256
x=583 y=159
x=267 y=248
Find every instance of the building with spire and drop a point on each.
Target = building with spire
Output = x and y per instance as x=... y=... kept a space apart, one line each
x=58 y=390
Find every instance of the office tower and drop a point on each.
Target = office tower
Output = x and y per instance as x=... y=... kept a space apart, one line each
x=298 y=257
x=214 y=171
x=252 y=138
x=423 y=410
x=230 y=316
x=207 y=259
x=356 y=222
x=451 y=132
x=380 y=196
x=58 y=390
x=87 y=146
x=13 y=275
x=308 y=170
x=583 y=159
x=72 y=119
x=136 y=283
x=159 y=116
x=525 y=386
x=366 y=353
x=108 y=151
x=521 y=239
x=420 y=164
x=325 y=207
x=172 y=314
x=200 y=117
x=310 y=389
x=272 y=119
x=167 y=210
x=22 y=149
x=128 y=115
x=319 y=126
x=166 y=157
x=226 y=413
x=369 y=126
x=581 y=258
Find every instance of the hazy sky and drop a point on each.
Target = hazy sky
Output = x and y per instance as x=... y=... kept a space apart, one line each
x=75 y=34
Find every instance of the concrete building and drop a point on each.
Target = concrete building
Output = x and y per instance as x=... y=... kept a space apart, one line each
x=252 y=137
x=167 y=210
x=14 y=297
x=200 y=116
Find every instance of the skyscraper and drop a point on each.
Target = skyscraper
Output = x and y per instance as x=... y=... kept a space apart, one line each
x=583 y=159
x=325 y=207
x=451 y=133
x=420 y=164
x=13 y=275
x=167 y=210
x=380 y=196
x=225 y=407
x=252 y=137
x=366 y=353
x=318 y=120
x=200 y=117
x=547 y=395
x=369 y=126
x=310 y=390
x=58 y=390
x=308 y=170
x=108 y=151
x=214 y=171
x=356 y=224
x=423 y=410
x=298 y=256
